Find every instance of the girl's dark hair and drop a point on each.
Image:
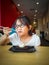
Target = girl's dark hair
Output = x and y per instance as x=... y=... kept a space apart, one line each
x=26 y=21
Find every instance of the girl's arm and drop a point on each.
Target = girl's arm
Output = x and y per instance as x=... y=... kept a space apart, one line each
x=4 y=40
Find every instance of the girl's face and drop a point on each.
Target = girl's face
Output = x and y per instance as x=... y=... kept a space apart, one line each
x=21 y=29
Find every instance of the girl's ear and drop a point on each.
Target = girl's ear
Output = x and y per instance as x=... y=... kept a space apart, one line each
x=30 y=27
x=30 y=30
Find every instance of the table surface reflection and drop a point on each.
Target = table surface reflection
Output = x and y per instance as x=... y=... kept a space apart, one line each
x=40 y=57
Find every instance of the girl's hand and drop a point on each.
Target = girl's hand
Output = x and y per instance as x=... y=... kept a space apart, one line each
x=6 y=30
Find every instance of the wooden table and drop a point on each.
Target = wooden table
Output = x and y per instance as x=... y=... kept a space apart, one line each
x=40 y=57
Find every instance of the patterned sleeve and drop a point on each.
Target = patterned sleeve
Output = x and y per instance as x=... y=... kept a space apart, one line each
x=13 y=39
x=37 y=40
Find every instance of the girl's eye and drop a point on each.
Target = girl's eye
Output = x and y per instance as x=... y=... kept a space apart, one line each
x=20 y=26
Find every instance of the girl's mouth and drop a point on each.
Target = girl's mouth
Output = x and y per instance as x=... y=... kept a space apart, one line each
x=19 y=31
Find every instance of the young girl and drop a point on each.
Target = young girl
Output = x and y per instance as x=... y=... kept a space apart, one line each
x=23 y=36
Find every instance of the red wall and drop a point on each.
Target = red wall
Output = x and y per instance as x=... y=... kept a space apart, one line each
x=9 y=12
